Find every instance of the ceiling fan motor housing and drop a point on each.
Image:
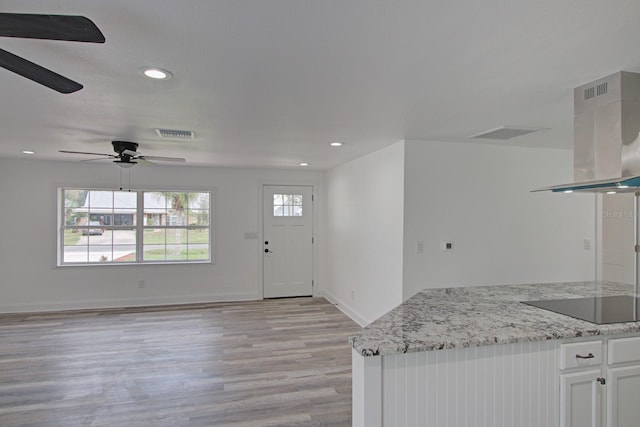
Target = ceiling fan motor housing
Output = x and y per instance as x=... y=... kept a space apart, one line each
x=121 y=146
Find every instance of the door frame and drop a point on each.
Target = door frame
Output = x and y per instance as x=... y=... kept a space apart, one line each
x=314 y=231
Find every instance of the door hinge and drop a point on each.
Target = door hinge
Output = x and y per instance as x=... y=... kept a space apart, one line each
x=312 y=283
x=313 y=240
x=637 y=248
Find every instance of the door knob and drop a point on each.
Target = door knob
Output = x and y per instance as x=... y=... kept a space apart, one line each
x=266 y=242
x=267 y=251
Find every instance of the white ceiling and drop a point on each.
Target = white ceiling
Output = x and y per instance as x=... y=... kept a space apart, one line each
x=271 y=83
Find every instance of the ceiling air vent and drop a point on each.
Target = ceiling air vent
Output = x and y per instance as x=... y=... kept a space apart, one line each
x=176 y=134
x=504 y=133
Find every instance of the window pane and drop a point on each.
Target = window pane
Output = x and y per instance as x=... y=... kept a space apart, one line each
x=125 y=200
x=124 y=253
x=198 y=236
x=154 y=253
x=75 y=247
x=100 y=253
x=277 y=199
x=100 y=199
x=277 y=211
x=176 y=252
x=297 y=210
x=199 y=201
x=297 y=199
x=154 y=236
x=124 y=219
x=74 y=198
x=123 y=237
x=178 y=235
x=154 y=203
x=73 y=217
x=198 y=252
x=198 y=217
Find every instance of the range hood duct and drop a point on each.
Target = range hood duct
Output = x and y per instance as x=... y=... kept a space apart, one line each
x=606 y=136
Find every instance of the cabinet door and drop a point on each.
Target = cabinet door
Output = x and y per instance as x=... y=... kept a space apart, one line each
x=623 y=396
x=581 y=399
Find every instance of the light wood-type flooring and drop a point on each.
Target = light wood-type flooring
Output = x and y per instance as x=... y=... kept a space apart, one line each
x=278 y=362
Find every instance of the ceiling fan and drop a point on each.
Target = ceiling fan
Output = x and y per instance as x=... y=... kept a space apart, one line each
x=126 y=155
x=45 y=27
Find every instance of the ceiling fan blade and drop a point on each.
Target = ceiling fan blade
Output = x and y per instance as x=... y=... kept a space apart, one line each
x=94 y=159
x=50 y=27
x=145 y=162
x=37 y=73
x=164 y=159
x=84 y=152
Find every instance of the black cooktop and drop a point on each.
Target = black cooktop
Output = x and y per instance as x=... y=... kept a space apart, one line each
x=600 y=310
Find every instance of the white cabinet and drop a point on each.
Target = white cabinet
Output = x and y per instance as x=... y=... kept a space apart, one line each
x=597 y=375
x=581 y=399
x=623 y=382
x=623 y=396
x=581 y=383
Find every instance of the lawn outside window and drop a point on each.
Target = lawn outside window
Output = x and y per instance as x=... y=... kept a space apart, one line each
x=134 y=227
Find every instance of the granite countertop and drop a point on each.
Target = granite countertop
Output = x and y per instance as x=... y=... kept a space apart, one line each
x=444 y=318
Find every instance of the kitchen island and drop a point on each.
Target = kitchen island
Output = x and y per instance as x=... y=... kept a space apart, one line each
x=477 y=356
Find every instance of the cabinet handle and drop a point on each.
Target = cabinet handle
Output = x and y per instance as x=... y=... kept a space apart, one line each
x=588 y=356
x=601 y=380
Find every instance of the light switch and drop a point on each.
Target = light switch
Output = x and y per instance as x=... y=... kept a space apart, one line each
x=419 y=246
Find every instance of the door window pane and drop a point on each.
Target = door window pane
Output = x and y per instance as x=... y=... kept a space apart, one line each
x=287 y=205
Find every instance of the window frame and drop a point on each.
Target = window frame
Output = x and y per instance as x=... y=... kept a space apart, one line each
x=138 y=228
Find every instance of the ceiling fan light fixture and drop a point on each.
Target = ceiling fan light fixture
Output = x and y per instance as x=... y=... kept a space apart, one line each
x=125 y=165
x=155 y=73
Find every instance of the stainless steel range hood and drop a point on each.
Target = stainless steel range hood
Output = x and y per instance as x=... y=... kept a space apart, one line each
x=606 y=134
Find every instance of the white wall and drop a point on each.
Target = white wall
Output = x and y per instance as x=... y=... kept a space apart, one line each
x=30 y=280
x=364 y=209
x=478 y=196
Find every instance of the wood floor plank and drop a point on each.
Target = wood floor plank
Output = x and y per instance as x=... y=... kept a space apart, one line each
x=274 y=362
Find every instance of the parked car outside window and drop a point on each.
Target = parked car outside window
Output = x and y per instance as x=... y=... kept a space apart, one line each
x=93 y=231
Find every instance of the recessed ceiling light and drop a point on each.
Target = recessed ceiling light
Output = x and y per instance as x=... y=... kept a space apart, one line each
x=568 y=191
x=336 y=144
x=611 y=192
x=28 y=152
x=304 y=164
x=155 y=73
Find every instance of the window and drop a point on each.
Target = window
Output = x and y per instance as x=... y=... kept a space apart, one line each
x=130 y=227
x=287 y=205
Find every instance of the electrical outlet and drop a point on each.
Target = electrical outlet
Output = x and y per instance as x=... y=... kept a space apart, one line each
x=447 y=245
x=587 y=244
x=142 y=283
x=419 y=246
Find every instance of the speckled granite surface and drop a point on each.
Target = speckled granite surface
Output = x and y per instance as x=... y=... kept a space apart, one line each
x=444 y=318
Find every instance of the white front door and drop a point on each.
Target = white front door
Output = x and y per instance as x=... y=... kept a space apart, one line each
x=287 y=244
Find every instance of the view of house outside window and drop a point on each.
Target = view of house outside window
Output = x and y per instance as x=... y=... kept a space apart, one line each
x=115 y=226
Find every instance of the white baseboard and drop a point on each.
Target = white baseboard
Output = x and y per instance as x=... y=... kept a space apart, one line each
x=345 y=308
x=129 y=302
